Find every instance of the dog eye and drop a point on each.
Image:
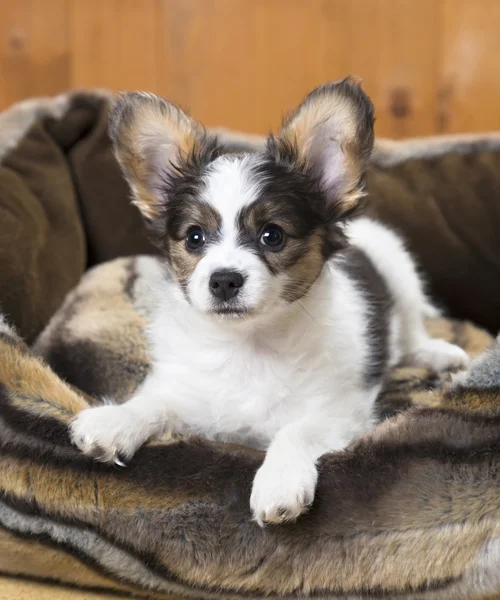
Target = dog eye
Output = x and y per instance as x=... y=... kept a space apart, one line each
x=273 y=237
x=195 y=239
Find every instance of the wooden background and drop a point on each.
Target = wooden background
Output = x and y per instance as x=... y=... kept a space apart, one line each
x=431 y=66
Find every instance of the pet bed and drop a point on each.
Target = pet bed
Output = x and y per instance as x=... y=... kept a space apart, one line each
x=410 y=511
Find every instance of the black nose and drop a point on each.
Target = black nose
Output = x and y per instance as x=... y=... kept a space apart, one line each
x=225 y=284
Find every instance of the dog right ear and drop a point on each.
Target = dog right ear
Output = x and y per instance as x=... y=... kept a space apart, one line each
x=330 y=134
x=151 y=138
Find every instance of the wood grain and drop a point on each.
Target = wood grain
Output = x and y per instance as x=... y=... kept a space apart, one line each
x=113 y=44
x=393 y=45
x=429 y=65
x=470 y=71
x=209 y=46
x=34 y=48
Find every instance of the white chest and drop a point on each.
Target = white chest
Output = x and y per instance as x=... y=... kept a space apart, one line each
x=241 y=388
x=244 y=383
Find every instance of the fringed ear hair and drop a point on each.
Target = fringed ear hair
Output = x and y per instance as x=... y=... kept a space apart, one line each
x=153 y=138
x=330 y=135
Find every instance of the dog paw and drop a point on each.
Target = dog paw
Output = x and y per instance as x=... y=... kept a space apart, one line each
x=109 y=434
x=440 y=356
x=281 y=494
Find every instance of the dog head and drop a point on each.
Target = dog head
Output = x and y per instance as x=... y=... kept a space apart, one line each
x=246 y=233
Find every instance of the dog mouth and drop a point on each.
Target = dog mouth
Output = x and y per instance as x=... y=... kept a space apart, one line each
x=234 y=312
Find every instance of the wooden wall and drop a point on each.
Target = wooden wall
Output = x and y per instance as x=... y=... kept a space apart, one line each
x=430 y=65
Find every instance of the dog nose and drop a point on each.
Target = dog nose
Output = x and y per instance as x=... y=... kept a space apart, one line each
x=225 y=284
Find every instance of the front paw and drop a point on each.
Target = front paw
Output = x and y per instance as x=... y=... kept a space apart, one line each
x=108 y=433
x=439 y=355
x=282 y=493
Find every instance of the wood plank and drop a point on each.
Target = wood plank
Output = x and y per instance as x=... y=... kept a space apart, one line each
x=243 y=64
x=114 y=44
x=15 y=63
x=207 y=62
x=470 y=75
x=50 y=47
x=394 y=46
x=289 y=57
x=34 y=52
x=429 y=65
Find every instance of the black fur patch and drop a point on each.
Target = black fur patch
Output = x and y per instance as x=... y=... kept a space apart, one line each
x=95 y=370
x=48 y=429
x=377 y=296
x=132 y=276
x=180 y=187
x=293 y=199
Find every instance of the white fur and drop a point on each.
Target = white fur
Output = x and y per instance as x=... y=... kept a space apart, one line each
x=229 y=187
x=290 y=379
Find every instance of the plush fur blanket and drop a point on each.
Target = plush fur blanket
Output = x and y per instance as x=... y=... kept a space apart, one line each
x=410 y=511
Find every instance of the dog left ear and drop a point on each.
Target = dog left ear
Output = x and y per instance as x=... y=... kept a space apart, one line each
x=330 y=135
x=151 y=138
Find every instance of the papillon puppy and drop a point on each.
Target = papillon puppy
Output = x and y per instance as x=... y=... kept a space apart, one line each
x=279 y=314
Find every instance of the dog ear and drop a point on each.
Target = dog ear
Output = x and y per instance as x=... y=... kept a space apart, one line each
x=152 y=137
x=330 y=135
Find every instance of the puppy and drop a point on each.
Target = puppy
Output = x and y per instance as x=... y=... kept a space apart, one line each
x=278 y=321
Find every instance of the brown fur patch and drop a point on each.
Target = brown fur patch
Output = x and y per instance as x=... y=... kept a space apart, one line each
x=304 y=270
x=182 y=261
x=188 y=213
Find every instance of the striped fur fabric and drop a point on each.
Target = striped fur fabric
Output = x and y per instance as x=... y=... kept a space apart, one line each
x=410 y=511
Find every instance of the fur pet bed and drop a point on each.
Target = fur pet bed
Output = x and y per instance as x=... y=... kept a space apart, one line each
x=410 y=511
